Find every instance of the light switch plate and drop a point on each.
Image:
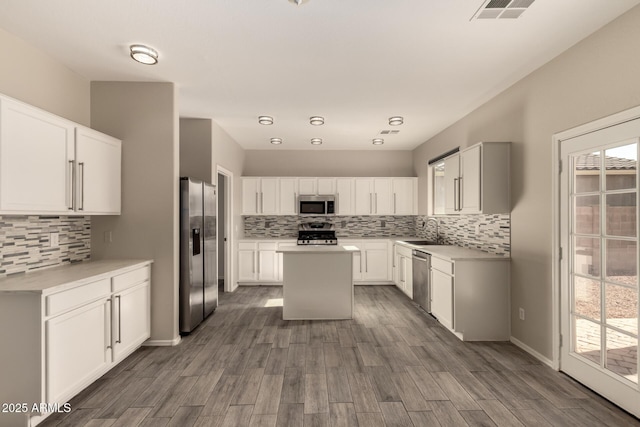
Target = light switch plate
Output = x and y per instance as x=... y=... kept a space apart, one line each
x=54 y=240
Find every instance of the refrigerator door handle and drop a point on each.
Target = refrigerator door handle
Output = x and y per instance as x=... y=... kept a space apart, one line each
x=195 y=235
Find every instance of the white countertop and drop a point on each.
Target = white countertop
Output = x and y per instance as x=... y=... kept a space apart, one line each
x=56 y=279
x=453 y=253
x=301 y=249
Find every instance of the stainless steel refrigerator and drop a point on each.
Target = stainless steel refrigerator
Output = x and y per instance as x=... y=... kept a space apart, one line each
x=198 y=258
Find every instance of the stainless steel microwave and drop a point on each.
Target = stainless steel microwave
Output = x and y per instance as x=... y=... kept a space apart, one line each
x=317 y=205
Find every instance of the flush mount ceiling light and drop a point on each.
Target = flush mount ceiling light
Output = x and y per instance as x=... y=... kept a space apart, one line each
x=276 y=141
x=395 y=121
x=316 y=141
x=265 y=120
x=144 y=54
x=298 y=2
x=378 y=141
x=316 y=120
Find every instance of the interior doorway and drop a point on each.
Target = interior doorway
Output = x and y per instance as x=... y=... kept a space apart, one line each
x=598 y=237
x=225 y=223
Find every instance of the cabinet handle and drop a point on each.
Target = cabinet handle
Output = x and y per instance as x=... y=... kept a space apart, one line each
x=366 y=263
x=108 y=322
x=119 y=340
x=295 y=202
x=257 y=203
x=460 y=195
x=361 y=262
x=72 y=179
x=376 y=202
x=261 y=202
x=394 y=203
x=455 y=194
x=371 y=202
x=81 y=167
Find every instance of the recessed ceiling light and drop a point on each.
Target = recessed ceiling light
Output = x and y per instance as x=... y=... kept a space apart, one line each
x=265 y=120
x=316 y=141
x=316 y=120
x=276 y=141
x=144 y=54
x=396 y=121
x=378 y=141
x=298 y=2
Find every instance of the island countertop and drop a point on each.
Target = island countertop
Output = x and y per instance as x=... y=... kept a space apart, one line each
x=318 y=249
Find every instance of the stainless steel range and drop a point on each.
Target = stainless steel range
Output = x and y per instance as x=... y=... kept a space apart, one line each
x=317 y=233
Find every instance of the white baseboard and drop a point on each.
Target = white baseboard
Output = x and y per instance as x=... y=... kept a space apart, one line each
x=532 y=352
x=162 y=343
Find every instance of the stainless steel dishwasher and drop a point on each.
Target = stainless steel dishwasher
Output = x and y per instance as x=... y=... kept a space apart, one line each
x=421 y=263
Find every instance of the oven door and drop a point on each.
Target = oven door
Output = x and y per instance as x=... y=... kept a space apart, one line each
x=312 y=207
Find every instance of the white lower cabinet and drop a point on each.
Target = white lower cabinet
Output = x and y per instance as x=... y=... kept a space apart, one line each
x=470 y=297
x=403 y=266
x=63 y=340
x=77 y=349
x=258 y=261
x=373 y=263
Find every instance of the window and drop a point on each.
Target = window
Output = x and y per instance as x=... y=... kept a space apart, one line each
x=437 y=188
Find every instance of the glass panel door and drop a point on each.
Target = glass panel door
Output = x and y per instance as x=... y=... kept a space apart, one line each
x=599 y=301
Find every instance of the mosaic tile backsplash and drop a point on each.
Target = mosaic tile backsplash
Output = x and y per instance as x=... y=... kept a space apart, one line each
x=346 y=226
x=488 y=233
x=25 y=246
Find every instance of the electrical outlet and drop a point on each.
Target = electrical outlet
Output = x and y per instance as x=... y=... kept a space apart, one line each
x=54 y=241
x=521 y=313
x=383 y=224
x=477 y=228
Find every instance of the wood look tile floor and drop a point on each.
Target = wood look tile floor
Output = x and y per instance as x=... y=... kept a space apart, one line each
x=392 y=365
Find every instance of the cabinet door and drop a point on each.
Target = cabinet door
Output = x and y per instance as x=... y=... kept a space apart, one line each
x=376 y=262
x=36 y=151
x=344 y=190
x=308 y=186
x=363 y=196
x=268 y=263
x=288 y=196
x=403 y=196
x=326 y=186
x=442 y=297
x=98 y=158
x=408 y=281
x=131 y=320
x=451 y=177
x=269 y=196
x=383 y=196
x=246 y=265
x=358 y=269
x=77 y=349
x=250 y=196
x=470 y=180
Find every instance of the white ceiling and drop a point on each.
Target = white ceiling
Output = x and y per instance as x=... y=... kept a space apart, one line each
x=355 y=62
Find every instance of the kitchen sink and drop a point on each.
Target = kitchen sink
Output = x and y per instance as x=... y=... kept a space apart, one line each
x=419 y=242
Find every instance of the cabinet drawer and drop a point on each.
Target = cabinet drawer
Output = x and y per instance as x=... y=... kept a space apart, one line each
x=246 y=246
x=62 y=301
x=271 y=246
x=129 y=279
x=442 y=265
x=383 y=246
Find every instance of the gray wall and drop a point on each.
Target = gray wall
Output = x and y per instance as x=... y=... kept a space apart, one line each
x=31 y=76
x=595 y=78
x=195 y=149
x=328 y=163
x=144 y=116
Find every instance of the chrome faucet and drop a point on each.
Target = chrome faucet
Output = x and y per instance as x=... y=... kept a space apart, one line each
x=438 y=241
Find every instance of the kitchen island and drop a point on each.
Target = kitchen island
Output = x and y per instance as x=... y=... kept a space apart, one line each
x=317 y=282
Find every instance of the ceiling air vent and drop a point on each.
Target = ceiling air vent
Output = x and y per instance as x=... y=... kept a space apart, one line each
x=502 y=9
x=389 y=132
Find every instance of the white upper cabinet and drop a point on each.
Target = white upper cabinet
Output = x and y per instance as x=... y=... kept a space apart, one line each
x=363 y=196
x=288 y=196
x=477 y=180
x=404 y=196
x=382 y=195
x=326 y=186
x=36 y=160
x=344 y=192
x=308 y=186
x=51 y=165
x=260 y=196
x=98 y=160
